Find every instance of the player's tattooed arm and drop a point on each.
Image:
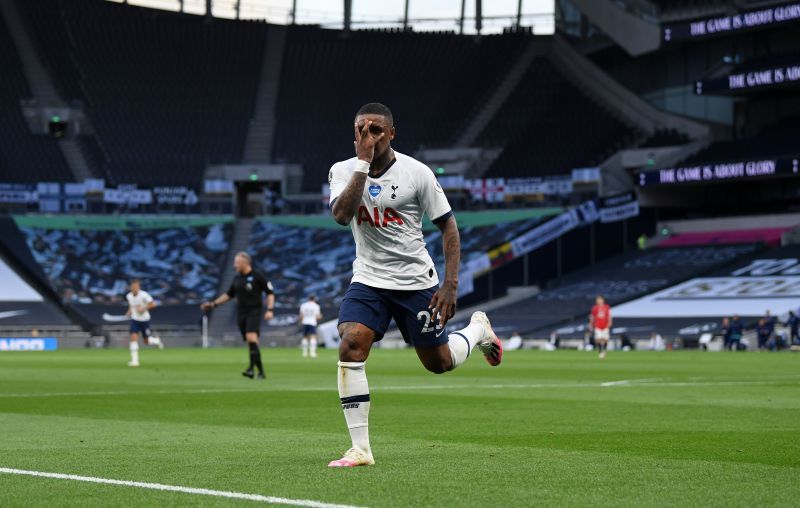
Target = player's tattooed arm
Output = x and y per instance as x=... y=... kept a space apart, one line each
x=345 y=206
x=443 y=302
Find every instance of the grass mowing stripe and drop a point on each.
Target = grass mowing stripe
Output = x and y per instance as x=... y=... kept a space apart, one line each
x=176 y=488
x=640 y=383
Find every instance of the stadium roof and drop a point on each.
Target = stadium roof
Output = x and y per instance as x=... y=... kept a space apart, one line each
x=424 y=15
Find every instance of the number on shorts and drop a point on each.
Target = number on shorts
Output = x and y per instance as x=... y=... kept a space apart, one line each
x=424 y=314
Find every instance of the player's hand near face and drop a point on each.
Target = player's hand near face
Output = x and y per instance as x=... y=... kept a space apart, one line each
x=367 y=136
x=443 y=304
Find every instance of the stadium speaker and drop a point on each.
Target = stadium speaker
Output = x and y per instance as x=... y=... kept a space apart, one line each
x=57 y=127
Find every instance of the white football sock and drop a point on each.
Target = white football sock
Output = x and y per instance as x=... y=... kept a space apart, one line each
x=354 y=394
x=134 y=351
x=313 y=343
x=463 y=341
x=304 y=345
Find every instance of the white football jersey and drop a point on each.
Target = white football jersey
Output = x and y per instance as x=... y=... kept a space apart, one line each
x=309 y=310
x=387 y=228
x=141 y=299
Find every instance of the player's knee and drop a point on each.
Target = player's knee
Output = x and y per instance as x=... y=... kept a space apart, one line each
x=351 y=351
x=439 y=367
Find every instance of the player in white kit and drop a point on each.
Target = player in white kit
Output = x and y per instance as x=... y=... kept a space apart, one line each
x=383 y=195
x=310 y=314
x=140 y=303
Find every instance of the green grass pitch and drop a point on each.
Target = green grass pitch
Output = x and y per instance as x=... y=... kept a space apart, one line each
x=543 y=429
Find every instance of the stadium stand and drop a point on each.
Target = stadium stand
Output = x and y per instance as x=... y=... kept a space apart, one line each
x=313 y=260
x=322 y=86
x=24 y=157
x=547 y=126
x=161 y=113
x=177 y=265
x=779 y=139
x=619 y=279
x=664 y=137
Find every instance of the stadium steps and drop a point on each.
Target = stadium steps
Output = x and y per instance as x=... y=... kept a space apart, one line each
x=42 y=87
x=222 y=325
x=617 y=99
x=258 y=146
x=39 y=79
x=631 y=31
x=500 y=95
x=75 y=159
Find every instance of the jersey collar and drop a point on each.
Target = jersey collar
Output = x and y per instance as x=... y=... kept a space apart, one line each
x=384 y=170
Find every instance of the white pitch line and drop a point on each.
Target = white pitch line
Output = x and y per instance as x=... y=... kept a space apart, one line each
x=632 y=383
x=176 y=488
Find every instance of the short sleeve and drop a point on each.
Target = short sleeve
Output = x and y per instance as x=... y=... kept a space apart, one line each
x=434 y=202
x=231 y=291
x=338 y=177
x=147 y=298
x=267 y=285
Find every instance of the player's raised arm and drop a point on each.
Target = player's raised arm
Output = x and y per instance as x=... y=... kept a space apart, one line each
x=346 y=202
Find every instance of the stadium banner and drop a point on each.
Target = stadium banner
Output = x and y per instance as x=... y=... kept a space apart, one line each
x=128 y=195
x=585 y=175
x=179 y=195
x=757 y=78
x=28 y=344
x=121 y=222
x=723 y=25
x=218 y=187
x=720 y=172
x=547 y=232
x=18 y=193
x=619 y=207
x=770 y=281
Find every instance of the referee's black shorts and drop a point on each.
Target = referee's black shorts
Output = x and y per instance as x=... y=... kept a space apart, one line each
x=249 y=320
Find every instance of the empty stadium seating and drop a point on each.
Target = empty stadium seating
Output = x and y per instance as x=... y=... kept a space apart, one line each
x=547 y=126
x=94 y=266
x=24 y=158
x=777 y=140
x=312 y=260
x=433 y=82
x=619 y=279
x=167 y=93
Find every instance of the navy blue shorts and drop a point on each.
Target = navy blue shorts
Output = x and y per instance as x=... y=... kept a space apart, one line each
x=309 y=330
x=141 y=327
x=375 y=308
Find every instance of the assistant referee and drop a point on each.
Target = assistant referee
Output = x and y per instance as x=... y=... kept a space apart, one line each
x=247 y=287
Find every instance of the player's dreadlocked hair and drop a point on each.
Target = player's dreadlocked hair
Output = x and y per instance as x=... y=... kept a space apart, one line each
x=376 y=108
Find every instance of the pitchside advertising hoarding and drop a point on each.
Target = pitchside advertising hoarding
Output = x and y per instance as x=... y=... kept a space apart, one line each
x=768 y=282
x=720 y=25
x=28 y=344
x=722 y=171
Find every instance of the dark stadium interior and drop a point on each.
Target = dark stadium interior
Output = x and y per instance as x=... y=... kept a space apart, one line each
x=164 y=97
x=23 y=157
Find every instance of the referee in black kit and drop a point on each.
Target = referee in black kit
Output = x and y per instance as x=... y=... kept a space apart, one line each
x=247 y=286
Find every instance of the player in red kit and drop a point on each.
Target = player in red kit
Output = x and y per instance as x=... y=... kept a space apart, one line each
x=600 y=322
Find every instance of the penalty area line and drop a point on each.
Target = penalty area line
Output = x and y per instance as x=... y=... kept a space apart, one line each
x=176 y=488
